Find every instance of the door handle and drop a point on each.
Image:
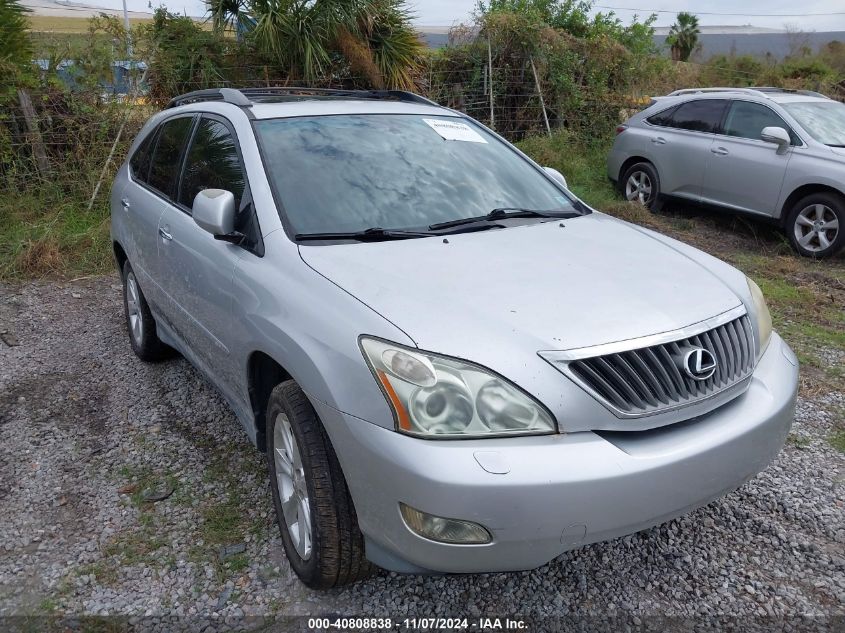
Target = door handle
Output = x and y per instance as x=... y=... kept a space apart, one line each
x=721 y=151
x=165 y=234
x=658 y=140
x=125 y=203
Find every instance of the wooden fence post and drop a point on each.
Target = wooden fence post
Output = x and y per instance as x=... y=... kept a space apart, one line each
x=490 y=74
x=540 y=94
x=38 y=148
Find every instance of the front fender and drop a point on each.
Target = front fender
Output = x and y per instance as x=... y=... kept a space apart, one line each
x=310 y=327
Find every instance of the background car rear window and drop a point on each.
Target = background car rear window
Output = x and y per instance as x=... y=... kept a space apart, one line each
x=747 y=120
x=165 y=163
x=701 y=115
x=212 y=163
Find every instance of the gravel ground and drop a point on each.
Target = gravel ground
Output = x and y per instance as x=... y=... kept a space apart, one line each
x=88 y=432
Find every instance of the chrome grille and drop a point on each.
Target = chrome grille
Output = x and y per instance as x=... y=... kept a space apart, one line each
x=651 y=379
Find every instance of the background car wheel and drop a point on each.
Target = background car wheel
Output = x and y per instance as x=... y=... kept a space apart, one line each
x=140 y=322
x=314 y=510
x=815 y=225
x=640 y=183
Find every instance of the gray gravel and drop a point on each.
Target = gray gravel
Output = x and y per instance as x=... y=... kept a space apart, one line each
x=86 y=430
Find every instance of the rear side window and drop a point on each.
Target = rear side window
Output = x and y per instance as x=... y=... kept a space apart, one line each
x=664 y=118
x=701 y=115
x=212 y=163
x=140 y=161
x=165 y=162
x=747 y=120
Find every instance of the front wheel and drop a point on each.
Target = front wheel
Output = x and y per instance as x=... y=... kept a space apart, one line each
x=640 y=183
x=814 y=225
x=314 y=510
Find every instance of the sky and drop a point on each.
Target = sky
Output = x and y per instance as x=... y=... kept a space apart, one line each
x=448 y=12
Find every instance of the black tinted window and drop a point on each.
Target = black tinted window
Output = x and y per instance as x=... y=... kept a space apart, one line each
x=140 y=161
x=662 y=118
x=747 y=120
x=702 y=115
x=212 y=163
x=165 y=165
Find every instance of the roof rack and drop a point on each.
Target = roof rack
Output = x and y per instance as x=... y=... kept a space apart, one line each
x=757 y=91
x=690 y=91
x=244 y=97
x=808 y=93
x=229 y=95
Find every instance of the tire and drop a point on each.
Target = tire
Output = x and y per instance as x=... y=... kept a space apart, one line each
x=640 y=183
x=816 y=225
x=320 y=533
x=140 y=324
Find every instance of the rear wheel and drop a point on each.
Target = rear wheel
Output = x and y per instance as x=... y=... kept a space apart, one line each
x=140 y=322
x=640 y=183
x=815 y=225
x=314 y=510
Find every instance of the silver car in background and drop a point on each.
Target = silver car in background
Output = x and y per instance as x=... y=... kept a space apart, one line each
x=768 y=152
x=451 y=362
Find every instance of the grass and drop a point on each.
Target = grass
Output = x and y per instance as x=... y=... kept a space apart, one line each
x=798 y=441
x=47 y=232
x=837 y=441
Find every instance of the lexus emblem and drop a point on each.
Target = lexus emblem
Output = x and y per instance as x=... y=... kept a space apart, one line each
x=699 y=364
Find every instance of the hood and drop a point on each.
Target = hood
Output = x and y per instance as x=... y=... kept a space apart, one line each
x=542 y=286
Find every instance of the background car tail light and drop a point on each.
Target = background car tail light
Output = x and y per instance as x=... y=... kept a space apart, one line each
x=621 y=128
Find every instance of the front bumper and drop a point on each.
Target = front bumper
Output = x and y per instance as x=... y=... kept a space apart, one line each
x=560 y=491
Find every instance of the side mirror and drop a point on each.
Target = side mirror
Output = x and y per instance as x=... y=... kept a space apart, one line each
x=776 y=135
x=554 y=173
x=214 y=211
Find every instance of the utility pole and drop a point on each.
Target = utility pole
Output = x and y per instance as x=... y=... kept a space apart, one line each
x=128 y=35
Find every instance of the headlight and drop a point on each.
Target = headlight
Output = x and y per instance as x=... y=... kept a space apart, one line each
x=436 y=396
x=761 y=315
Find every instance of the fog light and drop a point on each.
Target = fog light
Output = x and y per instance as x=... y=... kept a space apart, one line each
x=444 y=530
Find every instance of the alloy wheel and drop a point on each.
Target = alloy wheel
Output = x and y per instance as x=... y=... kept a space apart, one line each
x=816 y=227
x=133 y=309
x=293 y=492
x=638 y=187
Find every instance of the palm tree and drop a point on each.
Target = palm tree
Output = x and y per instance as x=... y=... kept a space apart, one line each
x=15 y=47
x=683 y=36
x=374 y=39
x=225 y=14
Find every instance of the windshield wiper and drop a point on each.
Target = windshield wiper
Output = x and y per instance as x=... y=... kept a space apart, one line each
x=503 y=213
x=372 y=234
x=834 y=145
x=378 y=234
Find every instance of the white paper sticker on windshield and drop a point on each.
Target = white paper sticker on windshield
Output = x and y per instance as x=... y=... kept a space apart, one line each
x=455 y=131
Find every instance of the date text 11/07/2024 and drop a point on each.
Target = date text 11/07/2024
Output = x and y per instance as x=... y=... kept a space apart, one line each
x=418 y=624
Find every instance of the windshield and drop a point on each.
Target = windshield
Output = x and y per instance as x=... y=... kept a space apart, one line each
x=823 y=120
x=345 y=173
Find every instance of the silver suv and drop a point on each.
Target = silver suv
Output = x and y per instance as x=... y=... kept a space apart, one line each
x=764 y=151
x=451 y=363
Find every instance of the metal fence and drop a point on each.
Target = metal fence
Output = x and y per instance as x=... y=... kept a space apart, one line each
x=73 y=138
